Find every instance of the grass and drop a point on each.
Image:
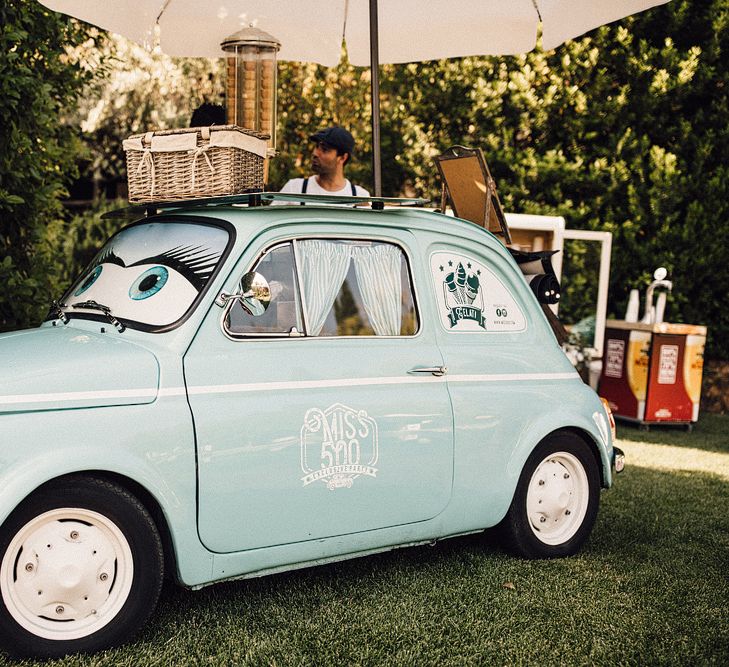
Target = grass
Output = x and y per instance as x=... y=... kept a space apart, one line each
x=651 y=587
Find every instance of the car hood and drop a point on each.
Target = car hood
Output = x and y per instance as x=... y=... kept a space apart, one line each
x=58 y=368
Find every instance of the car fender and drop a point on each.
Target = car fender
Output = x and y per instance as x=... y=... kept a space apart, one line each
x=152 y=445
x=585 y=416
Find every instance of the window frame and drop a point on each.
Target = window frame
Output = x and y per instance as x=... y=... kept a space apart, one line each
x=300 y=299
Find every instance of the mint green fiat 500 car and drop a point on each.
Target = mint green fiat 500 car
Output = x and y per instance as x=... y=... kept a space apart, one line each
x=233 y=390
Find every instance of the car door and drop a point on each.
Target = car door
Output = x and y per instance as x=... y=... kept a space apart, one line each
x=317 y=418
x=504 y=366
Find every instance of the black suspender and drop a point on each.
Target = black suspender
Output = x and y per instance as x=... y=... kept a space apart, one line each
x=303 y=189
x=305 y=185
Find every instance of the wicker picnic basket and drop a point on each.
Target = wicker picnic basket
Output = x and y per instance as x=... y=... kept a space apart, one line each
x=195 y=162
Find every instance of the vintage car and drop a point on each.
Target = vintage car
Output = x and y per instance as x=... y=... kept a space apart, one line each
x=234 y=389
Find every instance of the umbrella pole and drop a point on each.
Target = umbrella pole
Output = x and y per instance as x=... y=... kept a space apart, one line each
x=375 y=93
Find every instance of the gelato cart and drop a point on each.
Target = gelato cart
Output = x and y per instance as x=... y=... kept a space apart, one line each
x=652 y=372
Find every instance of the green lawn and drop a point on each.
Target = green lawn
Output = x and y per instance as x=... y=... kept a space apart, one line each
x=650 y=588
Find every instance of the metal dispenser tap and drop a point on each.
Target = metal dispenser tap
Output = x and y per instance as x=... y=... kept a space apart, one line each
x=653 y=315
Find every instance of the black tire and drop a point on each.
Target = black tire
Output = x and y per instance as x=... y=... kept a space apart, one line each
x=81 y=569
x=556 y=500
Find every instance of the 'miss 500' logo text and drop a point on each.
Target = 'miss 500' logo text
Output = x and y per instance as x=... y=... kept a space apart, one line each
x=338 y=445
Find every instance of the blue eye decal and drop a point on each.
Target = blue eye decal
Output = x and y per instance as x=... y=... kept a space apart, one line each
x=88 y=281
x=149 y=283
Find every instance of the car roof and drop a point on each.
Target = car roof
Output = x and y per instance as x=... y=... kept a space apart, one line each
x=248 y=214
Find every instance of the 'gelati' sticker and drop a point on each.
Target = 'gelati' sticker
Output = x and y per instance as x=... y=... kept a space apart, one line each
x=470 y=296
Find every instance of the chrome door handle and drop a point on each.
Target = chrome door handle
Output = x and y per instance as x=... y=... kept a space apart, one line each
x=432 y=370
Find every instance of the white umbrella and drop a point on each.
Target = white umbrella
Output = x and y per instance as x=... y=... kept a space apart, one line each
x=376 y=31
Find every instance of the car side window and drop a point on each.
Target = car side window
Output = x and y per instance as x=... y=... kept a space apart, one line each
x=356 y=288
x=332 y=287
x=283 y=314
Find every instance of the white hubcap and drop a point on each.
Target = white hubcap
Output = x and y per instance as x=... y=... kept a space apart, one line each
x=66 y=574
x=557 y=498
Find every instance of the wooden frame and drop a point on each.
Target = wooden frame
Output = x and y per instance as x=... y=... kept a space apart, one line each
x=468 y=186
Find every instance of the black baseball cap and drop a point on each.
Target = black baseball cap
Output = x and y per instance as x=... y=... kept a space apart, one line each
x=336 y=137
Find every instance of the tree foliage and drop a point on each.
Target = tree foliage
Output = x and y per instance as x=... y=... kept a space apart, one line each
x=144 y=90
x=40 y=81
x=624 y=130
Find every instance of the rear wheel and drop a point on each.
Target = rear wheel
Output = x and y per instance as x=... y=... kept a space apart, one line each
x=81 y=569
x=556 y=500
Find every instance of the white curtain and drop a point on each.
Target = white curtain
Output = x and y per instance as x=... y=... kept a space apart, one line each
x=324 y=266
x=378 y=277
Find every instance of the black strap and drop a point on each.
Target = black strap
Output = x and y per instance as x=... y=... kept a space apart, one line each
x=304 y=185
x=354 y=190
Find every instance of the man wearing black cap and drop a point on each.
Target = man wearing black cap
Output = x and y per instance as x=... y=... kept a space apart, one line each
x=333 y=148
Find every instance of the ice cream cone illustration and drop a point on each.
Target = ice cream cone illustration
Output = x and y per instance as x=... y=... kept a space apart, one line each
x=472 y=285
x=461 y=282
x=463 y=293
x=452 y=288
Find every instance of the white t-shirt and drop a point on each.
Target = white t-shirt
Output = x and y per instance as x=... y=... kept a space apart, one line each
x=313 y=188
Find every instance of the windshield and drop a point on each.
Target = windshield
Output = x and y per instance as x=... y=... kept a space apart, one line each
x=150 y=274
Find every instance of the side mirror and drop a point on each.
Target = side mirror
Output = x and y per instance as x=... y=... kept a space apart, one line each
x=254 y=294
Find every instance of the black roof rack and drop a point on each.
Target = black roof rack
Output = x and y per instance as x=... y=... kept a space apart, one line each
x=252 y=199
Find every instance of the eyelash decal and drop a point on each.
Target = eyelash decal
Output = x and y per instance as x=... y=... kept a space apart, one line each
x=196 y=263
x=108 y=256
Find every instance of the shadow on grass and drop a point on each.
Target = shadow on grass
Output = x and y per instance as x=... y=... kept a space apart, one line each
x=654 y=568
x=650 y=587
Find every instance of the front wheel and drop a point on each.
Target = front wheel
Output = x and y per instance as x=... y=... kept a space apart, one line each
x=81 y=569
x=556 y=500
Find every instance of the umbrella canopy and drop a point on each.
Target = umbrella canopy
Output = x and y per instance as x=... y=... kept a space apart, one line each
x=376 y=31
x=313 y=30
